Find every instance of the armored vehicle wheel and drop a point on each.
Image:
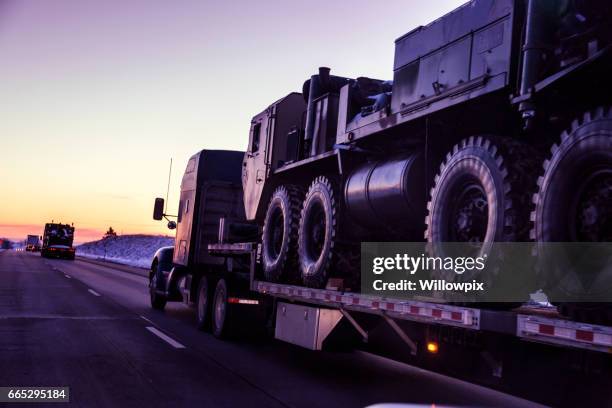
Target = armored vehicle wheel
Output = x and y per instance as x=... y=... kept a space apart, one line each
x=279 y=238
x=574 y=204
x=203 y=305
x=483 y=194
x=317 y=246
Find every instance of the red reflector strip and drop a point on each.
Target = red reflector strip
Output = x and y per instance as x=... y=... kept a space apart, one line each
x=547 y=329
x=414 y=309
x=234 y=300
x=375 y=305
x=390 y=306
x=355 y=301
x=436 y=313
x=456 y=315
x=584 y=335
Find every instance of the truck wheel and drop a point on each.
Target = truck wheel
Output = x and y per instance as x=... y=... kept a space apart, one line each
x=317 y=246
x=203 y=305
x=574 y=204
x=158 y=302
x=221 y=312
x=483 y=194
x=280 y=230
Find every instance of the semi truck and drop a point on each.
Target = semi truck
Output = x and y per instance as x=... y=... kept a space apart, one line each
x=57 y=241
x=496 y=127
x=33 y=243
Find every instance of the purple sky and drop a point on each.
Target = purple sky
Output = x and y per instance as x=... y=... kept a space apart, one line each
x=98 y=95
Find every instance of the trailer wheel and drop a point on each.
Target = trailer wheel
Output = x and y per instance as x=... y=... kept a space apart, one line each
x=158 y=302
x=482 y=194
x=574 y=204
x=221 y=312
x=317 y=246
x=203 y=305
x=280 y=229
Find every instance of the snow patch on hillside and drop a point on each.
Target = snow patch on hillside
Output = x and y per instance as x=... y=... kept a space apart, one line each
x=133 y=250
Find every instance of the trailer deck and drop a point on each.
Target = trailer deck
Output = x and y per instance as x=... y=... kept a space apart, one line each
x=530 y=323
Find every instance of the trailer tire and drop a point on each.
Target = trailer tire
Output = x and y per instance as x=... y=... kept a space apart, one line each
x=203 y=307
x=482 y=194
x=280 y=231
x=574 y=204
x=222 y=316
x=317 y=246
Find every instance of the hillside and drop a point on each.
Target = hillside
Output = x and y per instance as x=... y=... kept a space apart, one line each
x=134 y=250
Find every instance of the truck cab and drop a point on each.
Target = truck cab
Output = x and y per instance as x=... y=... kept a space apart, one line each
x=210 y=210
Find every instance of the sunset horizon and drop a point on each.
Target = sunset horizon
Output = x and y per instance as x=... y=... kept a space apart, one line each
x=98 y=97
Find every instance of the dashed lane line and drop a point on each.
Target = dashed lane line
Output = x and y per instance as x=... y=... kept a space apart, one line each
x=165 y=338
x=93 y=292
x=144 y=318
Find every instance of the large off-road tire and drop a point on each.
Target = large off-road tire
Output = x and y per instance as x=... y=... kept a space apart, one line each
x=280 y=234
x=482 y=194
x=317 y=246
x=158 y=302
x=574 y=204
x=203 y=305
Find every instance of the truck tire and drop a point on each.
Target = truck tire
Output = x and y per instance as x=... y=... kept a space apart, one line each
x=483 y=194
x=478 y=170
x=317 y=246
x=280 y=231
x=203 y=305
x=158 y=302
x=222 y=316
x=574 y=204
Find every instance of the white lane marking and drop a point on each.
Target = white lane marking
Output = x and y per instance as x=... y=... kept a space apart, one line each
x=144 y=318
x=165 y=338
x=68 y=276
x=93 y=292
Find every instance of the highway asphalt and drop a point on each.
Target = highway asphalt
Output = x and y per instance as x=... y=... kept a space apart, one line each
x=89 y=326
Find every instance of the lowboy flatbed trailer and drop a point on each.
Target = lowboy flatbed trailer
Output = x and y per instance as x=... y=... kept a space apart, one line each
x=529 y=323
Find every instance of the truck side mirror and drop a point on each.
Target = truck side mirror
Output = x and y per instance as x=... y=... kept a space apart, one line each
x=171 y=225
x=158 y=209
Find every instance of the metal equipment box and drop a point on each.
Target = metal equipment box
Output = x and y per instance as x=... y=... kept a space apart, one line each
x=305 y=326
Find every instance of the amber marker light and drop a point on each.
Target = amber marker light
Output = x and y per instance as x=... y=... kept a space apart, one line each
x=432 y=347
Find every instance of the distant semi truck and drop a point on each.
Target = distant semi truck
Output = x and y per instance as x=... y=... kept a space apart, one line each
x=33 y=243
x=57 y=241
